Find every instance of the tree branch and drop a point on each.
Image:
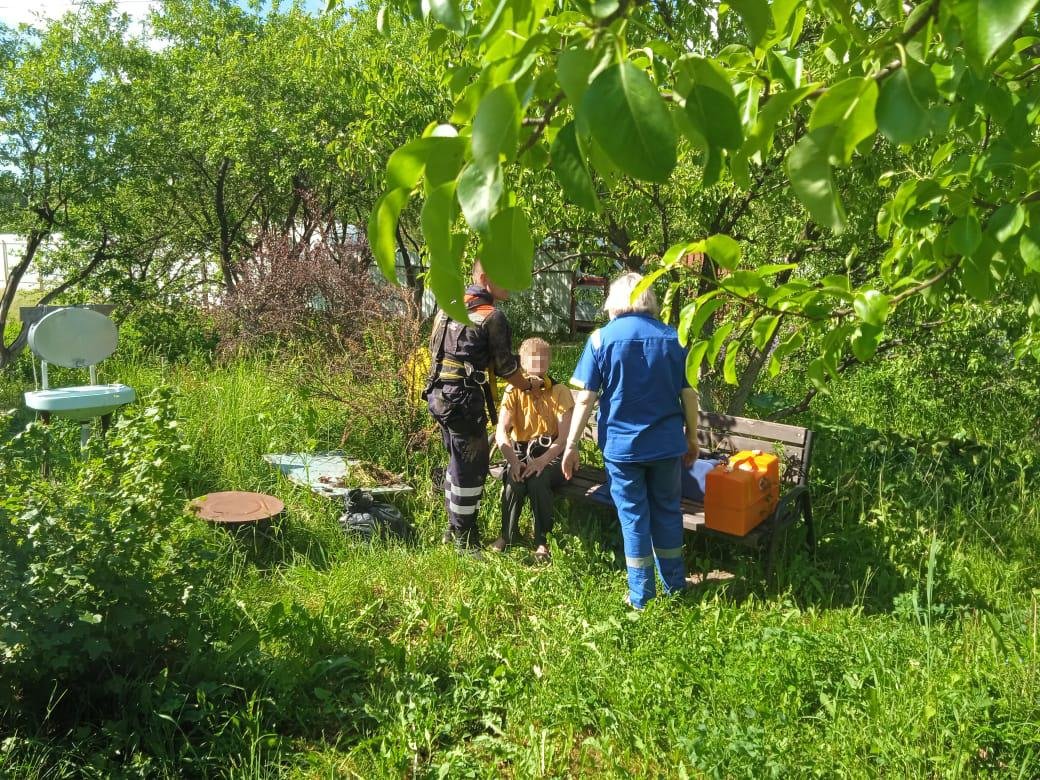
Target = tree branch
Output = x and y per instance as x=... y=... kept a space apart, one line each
x=907 y=35
x=540 y=123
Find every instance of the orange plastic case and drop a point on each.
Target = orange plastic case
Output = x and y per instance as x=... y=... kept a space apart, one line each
x=741 y=493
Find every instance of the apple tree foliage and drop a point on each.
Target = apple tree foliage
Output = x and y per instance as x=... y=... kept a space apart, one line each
x=933 y=105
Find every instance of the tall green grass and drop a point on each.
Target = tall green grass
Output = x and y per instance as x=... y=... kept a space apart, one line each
x=907 y=648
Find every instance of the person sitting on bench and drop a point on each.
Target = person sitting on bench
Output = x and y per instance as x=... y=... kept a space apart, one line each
x=532 y=428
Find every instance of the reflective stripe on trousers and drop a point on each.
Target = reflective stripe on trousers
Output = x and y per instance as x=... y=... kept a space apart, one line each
x=647 y=497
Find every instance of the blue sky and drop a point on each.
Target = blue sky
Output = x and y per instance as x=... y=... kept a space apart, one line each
x=14 y=11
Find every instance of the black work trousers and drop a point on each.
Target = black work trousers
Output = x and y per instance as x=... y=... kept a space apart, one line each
x=539 y=489
x=459 y=410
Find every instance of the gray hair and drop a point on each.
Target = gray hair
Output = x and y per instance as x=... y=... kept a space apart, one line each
x=620 y=300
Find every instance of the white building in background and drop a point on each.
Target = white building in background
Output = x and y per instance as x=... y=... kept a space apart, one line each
x=12 y=249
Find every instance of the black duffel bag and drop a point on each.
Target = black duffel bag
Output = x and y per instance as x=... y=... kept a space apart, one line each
x=369 y=519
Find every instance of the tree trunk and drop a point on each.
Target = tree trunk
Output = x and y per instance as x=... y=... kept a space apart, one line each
x=709 y=281
x=9 y=352
x=226 y=265
x=750 y=377
x=758 y=361
x=410 y=276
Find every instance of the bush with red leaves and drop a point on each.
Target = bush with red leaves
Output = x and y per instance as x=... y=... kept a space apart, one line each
x=320 y=292
x=341 y=332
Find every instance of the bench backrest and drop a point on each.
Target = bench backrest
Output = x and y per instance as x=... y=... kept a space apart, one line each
x=726 y=434
x=723 y=433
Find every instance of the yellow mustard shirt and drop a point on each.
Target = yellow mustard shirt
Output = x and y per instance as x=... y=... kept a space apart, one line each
x=536 y=413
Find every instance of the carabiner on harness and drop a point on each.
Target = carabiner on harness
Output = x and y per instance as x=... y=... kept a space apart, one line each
x=533 y=448
x=477 y=376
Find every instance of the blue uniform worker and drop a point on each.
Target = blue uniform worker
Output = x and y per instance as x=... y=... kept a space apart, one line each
x=647 y=427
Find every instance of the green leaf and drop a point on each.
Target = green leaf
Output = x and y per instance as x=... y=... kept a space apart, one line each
x=1029 y=246
x=755 y=15
x=810 y=173
x=744 y=284
x=568 y=164
x=573 y=69
x=704 y=309
x=496 y=126
x=711 y=105
x=1006 y=222
x=790 y=345
x=763 y=329
x=437 y=219
x=677 y=252
x=685 y=316
x=891 y=10
x=864 y=341
x=902 y=106
x=628 y=118
x=816 y=375
x=729 y=365
x=382 y=231
x=718 y=338
x=479 y=191
x=693 y=363
x=849 y=108
x=448 y=13
x=965 y=235
x=785 y=70
x=739 y=169
x=715 y=116
x=987 y=24
x=775 y=268
x=444 y=159
x=447 y=284
x=871 y=307
x=406 y=165
x=536 y=158
x=494 y=23
x=507 y=251
x=723 y=250
x=712 y=166
x=976 y=277
x=692 y=69
x=601 y=9
x=775 y=109
x=437 y=38
x=647 y=281
x=781 y=11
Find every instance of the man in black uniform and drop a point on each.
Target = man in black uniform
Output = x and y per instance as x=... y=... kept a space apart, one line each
x=464 y=360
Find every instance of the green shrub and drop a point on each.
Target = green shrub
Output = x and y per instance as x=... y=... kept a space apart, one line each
x=104 y=576
x=178 y=332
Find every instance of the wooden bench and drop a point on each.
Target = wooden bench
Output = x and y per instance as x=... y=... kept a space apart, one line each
x=723 y=435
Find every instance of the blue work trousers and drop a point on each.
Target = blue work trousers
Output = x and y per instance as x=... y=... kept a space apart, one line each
x=647 y=497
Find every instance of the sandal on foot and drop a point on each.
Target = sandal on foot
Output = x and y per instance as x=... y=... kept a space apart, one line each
x=499 y=545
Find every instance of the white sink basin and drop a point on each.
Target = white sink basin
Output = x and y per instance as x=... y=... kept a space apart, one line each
x=80 y=403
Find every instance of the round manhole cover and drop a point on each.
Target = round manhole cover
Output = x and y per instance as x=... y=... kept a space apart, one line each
x=235 y=507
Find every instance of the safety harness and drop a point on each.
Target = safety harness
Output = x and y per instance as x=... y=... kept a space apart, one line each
x=528 y=450
x=446 y=369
